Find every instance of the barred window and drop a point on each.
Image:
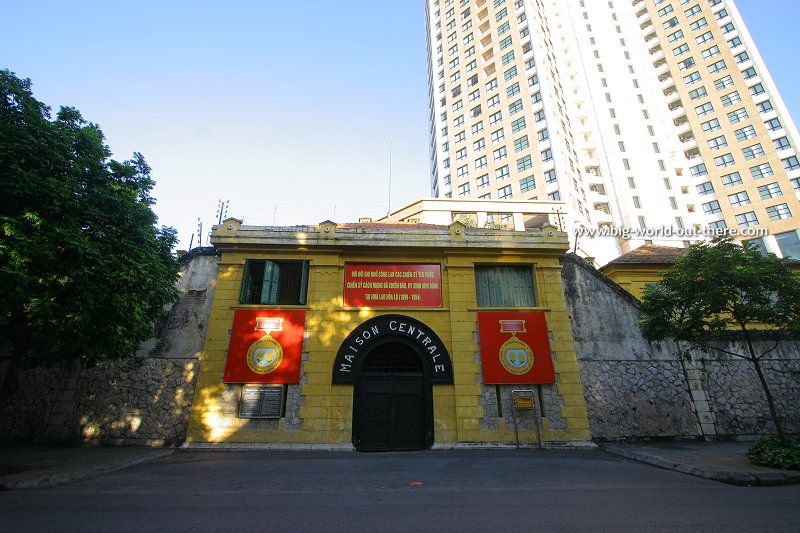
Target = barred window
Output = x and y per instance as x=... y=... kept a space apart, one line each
x=505 y=286
x=274 y=282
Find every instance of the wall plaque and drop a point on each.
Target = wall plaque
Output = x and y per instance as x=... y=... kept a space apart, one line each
x=260 y=401
x=392 y=285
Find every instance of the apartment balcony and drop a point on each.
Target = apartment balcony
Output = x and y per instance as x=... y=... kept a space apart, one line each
x=693 y=152
x=736 y=49
x=724 y=20
x=687 y=136
x=731 y=34
x=775 y=134
x=752 y=81
x=670 y=89
x=581 y=112
x=593 y=178
x=643 y=16
x=675 y=103
x=688 y=140
x=582 y=128
x=678 y=115
x=683 y=128
x=596 y=198
x=578 y=96
x=658 y=55
x=585 y=144
x=598 y=188
x=769 y=115
x=674 y=100
x=575 y=84
x=602 y=214
x=595 y=181
x=592 y=165
x=786 y=152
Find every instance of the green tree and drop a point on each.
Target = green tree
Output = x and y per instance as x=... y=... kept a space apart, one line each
x=84 y=272
x=718 y=287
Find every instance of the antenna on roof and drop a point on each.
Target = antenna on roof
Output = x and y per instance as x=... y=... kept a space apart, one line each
x=390 y=178
x=222 y=210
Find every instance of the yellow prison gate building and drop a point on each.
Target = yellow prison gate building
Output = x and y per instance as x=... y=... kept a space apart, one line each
x=388 y=336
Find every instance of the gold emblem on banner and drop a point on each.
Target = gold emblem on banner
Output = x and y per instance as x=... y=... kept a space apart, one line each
x=266 y=354
x=515 y=355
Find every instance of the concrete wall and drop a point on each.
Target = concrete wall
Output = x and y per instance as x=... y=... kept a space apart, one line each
x=634 y=389
x=143 y=400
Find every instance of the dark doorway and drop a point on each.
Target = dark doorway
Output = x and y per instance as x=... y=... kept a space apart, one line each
x=392 y=407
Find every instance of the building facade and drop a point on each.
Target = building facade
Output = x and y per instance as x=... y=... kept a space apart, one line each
x=388 y=337
x=641 y=115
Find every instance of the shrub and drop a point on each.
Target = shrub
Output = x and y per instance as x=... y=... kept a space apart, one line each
x=777 y=452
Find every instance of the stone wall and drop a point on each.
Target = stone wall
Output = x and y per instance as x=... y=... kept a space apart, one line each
x=635 y=389
x=632 y=389
x=142 y=400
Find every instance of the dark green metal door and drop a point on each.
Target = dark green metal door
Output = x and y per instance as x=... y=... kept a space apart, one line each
x=389 y=409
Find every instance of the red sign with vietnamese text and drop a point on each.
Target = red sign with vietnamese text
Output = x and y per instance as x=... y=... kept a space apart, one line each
x=392 y=285
x=266 y=346
x=515 y=348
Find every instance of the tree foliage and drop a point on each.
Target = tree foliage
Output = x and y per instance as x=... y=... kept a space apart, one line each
x=84 y=271
x=722 y=286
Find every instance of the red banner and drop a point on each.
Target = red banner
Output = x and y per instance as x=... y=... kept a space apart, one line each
x=392 y=285
x=266 y=346
x=515 y=348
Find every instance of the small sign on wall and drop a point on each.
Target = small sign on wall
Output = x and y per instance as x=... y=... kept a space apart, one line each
x=515 y=348
x=261 y=401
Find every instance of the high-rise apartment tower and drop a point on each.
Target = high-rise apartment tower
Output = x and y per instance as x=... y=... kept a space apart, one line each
x=651 y=115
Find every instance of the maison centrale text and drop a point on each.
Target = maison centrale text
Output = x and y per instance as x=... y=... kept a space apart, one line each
x=393 y=327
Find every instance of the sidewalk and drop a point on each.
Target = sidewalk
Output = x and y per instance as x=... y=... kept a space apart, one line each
x=719 y=461
x=24 y=468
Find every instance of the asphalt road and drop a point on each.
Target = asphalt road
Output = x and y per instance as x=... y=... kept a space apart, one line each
x=459 y=491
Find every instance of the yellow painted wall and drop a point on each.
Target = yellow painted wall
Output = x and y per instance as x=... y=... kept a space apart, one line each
x=635 y=278
x=326 y=409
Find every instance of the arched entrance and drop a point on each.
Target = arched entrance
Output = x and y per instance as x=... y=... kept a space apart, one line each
x=391 y=404
x=393 y=361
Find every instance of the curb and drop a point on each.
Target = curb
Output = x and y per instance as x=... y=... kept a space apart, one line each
x=238 y=447
x=263 y=447
x=50 y=480
x=732 y=477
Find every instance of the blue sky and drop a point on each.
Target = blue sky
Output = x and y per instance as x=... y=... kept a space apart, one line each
x=287 y=110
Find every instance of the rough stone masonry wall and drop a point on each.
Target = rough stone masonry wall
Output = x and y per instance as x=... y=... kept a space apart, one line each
x=142 y=400
x=634 y=389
